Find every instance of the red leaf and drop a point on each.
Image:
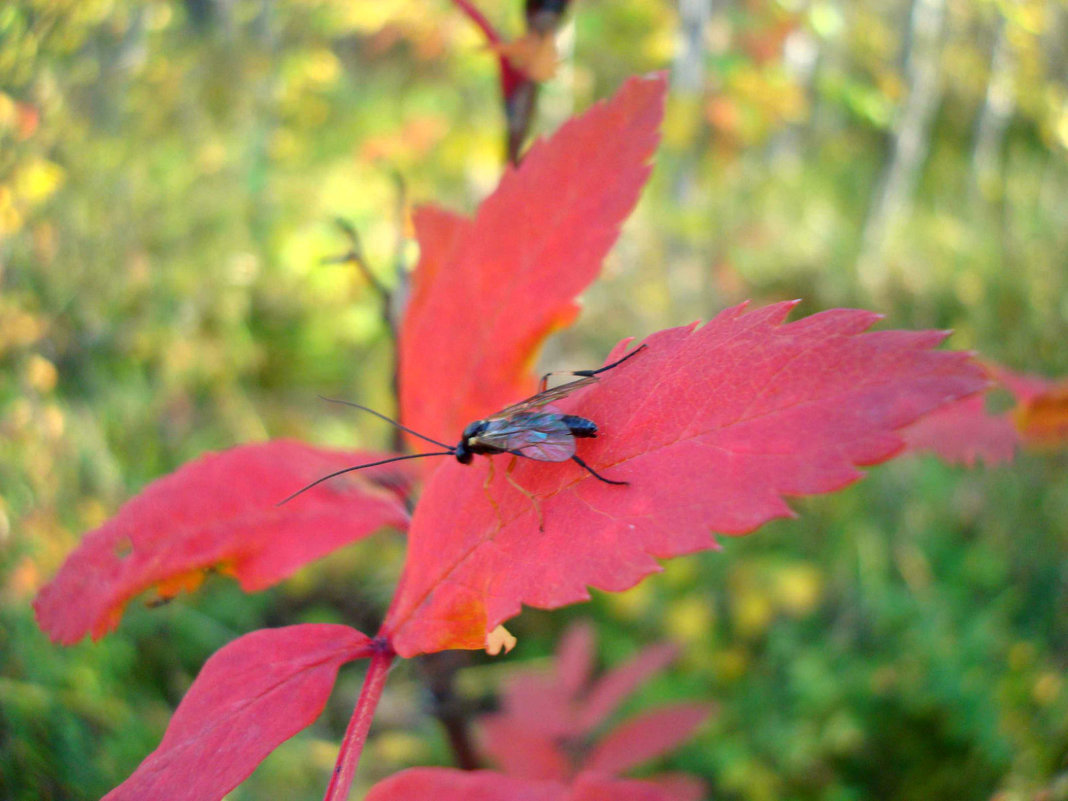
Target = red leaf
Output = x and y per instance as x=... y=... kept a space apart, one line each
x=540 y=704
x=574 y=658
x=543 y=727
x=646 y=737
x=218 y=511
x=1023 y=386
x=964 y=432
x=1041 y=413
x=591 y=786
x=447 y=784
x=680 y=786
x=250 y=696
x=618 y=683
x=489 y=290
x=553 y=707
x=711 y=426
x=521 y=751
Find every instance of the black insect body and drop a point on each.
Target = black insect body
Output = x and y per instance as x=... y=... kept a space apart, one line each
x=545 y=436
x=532 y=428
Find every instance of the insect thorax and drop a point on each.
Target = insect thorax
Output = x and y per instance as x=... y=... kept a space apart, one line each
x=469 y=444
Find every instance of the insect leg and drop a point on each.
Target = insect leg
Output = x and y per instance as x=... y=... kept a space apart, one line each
x=530 y=496
x=489 y=495
x=597 y=475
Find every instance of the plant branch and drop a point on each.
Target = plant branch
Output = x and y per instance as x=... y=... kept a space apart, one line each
x=390 y=302
x=356 y=256
x=359 y=724
x=519 y=90
x=511 y=78
x=399 y=296
x=480 y=20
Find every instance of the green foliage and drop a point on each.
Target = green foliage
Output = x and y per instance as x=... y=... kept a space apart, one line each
x=168 y=176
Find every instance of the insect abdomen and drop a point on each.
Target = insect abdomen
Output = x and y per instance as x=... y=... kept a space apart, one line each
x=580 y=426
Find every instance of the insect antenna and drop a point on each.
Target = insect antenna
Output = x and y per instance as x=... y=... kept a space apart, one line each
x=336 y=473
x=388 y=420
x=608 y=367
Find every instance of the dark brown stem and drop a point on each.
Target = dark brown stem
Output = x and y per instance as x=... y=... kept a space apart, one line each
x=455 y=713
x=519 y=113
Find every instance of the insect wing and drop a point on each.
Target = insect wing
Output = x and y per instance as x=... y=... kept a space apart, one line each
x=543 y=399
x=541 y=436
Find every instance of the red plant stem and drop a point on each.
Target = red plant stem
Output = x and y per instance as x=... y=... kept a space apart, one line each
x=510 y=76
x=359 y=725
x=476 y=17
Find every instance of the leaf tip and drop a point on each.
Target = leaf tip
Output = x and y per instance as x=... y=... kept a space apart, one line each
x=660 y=78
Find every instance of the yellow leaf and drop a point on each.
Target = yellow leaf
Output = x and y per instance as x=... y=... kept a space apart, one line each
x=1043 y=419
x=10 y=219
x=36 y=181
x=40 y=373
x=691 y=620
x=798 y=588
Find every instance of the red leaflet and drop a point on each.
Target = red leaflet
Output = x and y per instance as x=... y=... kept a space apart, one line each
x=250 y=696
x=490 y=289
x=544 y=727
x=525 y=753
x=711 y=426
x=679 y=786
x=646 y=737
x=574 y=658
x=964 y=432
x=554 y=706
x=1023 y=386
x=219 y=511
x=613 y=687
x=446 y=784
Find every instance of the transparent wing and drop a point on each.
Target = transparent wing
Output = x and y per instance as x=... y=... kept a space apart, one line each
x=541 y=436
x=544 y=398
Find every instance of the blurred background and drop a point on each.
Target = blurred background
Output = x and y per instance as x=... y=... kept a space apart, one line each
x=169 y=173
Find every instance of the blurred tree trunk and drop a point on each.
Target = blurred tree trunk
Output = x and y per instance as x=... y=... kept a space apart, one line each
x=688 y=79
x=688 y=282
x=800 y=57
x=689 y=68
x=998 y=107
x=910 y=140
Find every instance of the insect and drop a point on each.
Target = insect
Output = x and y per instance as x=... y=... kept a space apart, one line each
x=531 y=428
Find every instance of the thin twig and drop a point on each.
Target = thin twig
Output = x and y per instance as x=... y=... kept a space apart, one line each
x=355 y=256
x=388 y=301
x=399 y=297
